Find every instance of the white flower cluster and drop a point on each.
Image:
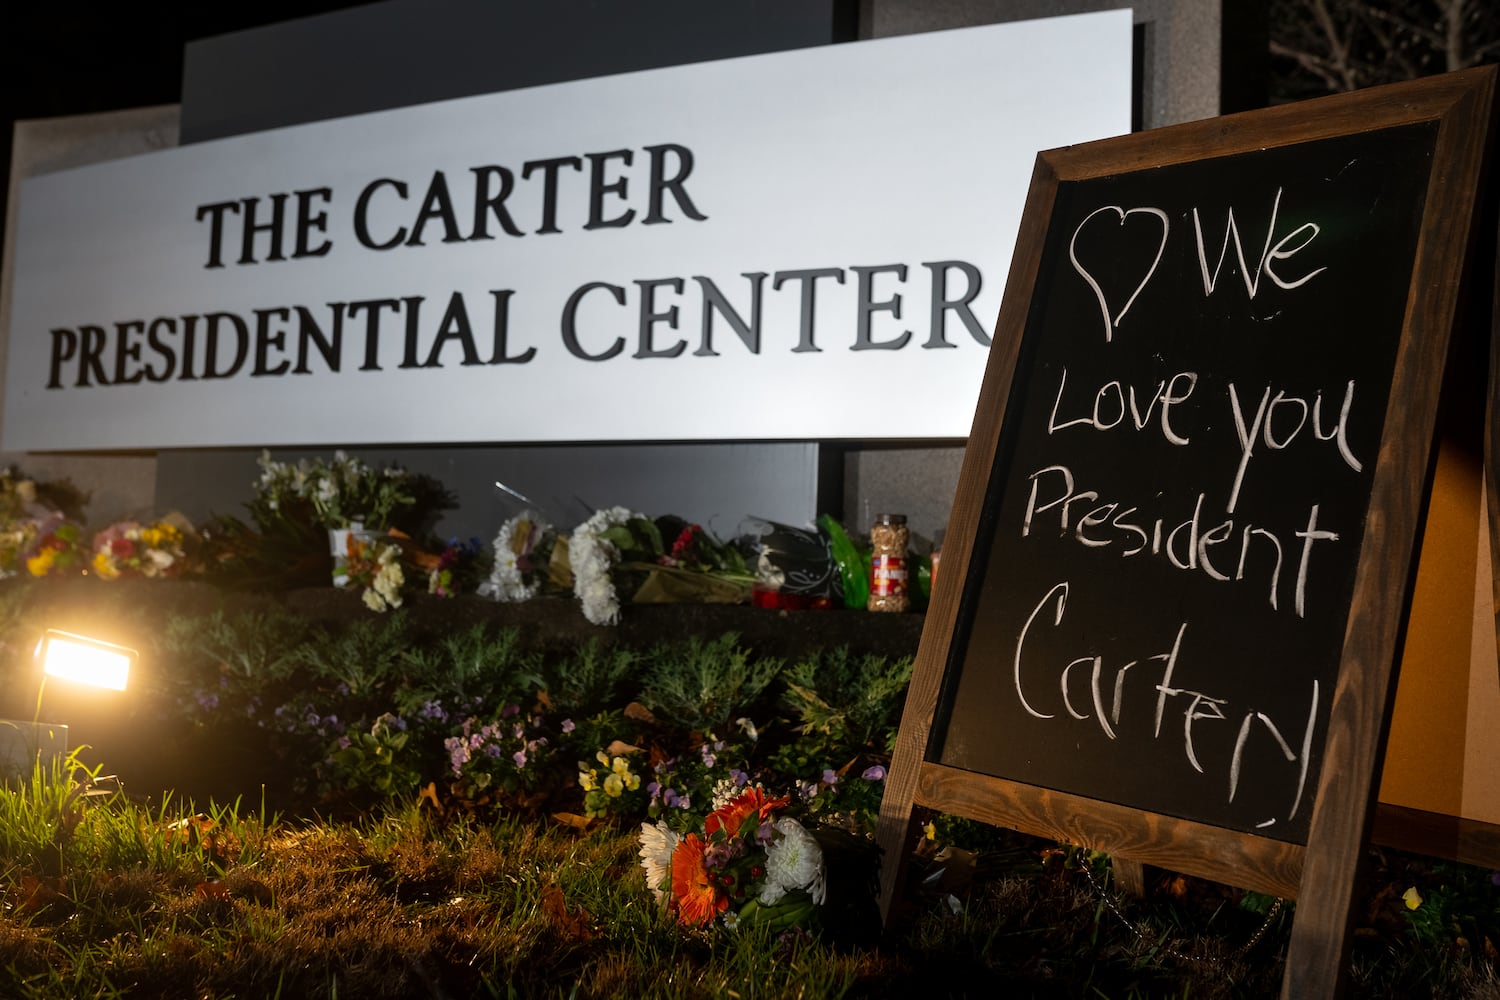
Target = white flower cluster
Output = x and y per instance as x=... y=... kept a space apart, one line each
x=279 y=479
x=591 y=557
x=507 y=583
x=343 y=491
x=385 y=591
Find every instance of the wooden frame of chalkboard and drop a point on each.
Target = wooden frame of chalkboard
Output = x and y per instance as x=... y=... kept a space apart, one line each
x=1179 y=559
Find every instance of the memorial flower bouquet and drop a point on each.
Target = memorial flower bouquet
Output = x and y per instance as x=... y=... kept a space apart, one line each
x=132 y=549
x=750 y=865
x=619 y=552
x=594 y=548
x=375 y=565
x=37 y=534
x=523 y=556
x=59 y=552
x=337 y=493
x=616 y=555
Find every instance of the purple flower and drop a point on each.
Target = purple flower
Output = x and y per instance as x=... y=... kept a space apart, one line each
x=830 y=776
x=709 y=760
x=519 y=757
x=874 y=773
x=433 y=710
x=669 y=797
x=567 y=726
x=343 y=743
x=764 y=833
x=510 y=710
x=741 y=779
x=458 y=753
x=492 y=751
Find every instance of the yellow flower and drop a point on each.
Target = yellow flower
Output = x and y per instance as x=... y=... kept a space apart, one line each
x=41 y=563
x=613 y=786
x=588 y=780
x=1412 y=898
x=104 y=566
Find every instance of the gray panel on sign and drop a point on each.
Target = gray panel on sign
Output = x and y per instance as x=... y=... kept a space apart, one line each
x=715 y=485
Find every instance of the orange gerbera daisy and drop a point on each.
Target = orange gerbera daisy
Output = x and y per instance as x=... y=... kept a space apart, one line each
x=698 y=902
x=732 y=814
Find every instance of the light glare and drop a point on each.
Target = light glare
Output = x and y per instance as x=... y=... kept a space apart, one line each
x=87 y=661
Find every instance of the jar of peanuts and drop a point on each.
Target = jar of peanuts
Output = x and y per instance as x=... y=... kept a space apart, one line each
x=888 y=576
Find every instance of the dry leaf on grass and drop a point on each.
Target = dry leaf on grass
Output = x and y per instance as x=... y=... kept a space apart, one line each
x=577 y=822
x=575 y=925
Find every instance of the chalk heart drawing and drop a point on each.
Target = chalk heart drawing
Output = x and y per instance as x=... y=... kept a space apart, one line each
x=1122 y=215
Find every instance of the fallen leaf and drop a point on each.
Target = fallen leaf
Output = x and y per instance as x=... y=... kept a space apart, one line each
x=38 y=895
x=619 y=748
x=574 y=820
x=212 y=889
x=190 y=828
x=637 y=712
x=429 y=794
x=574 y=925
x=256 y=891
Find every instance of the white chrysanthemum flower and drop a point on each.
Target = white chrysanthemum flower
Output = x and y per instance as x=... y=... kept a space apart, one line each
x=657 y=844
x=506 y=583
x=591 y=558
x=793 y=861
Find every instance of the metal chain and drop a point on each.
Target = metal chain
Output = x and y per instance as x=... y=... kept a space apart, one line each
x=1169 y=951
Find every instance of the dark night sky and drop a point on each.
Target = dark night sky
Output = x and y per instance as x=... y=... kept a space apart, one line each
x=77 y=58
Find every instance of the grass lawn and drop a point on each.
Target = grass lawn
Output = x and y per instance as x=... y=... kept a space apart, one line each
x=106 y=898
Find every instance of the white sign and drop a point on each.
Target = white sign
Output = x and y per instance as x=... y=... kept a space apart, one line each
x=810 y=244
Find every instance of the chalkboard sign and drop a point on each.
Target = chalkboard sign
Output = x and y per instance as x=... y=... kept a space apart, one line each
x=1179 y=558
x=1169 y=540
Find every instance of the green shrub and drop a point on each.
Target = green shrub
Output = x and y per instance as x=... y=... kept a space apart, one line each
x=474 y=665
x=591 y=679
x=367 y=658
x=851 y=701
x=699 y=686
x=256 y=648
